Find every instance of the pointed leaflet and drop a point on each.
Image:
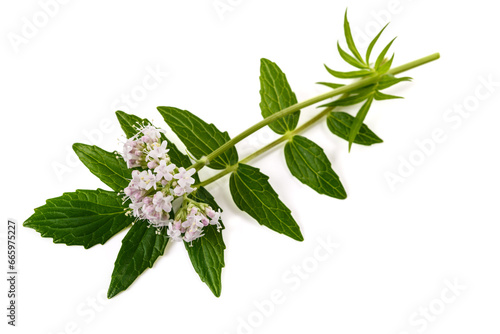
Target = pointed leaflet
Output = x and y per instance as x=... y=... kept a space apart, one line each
x=381 y=96
x=348 y=75
x=358 y=120
x=372 y=44
x=340 y=123
x=109 y=167
x=309 y=163
x=253 y=194
x=129 y=121
x=385 y=67
x=140 y=248
x=276 y=95
x=84 y=217
x=350 y=59
x=349 y=40
x=390 y=80
x=362 y=94
x=330 y=84
x=199 y=137
x=207 y=253
x=381 y=56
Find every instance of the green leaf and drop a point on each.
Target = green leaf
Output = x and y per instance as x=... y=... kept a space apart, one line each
x=199 y=137
x=348 y=75
x=350 y=59
x=358 y=120
x=109 y=167
x=381 y=96
x=340 y=123
x=130 y=123
x=207 y=253
x=309 y=163
x=372 y=44
x=352 y=99
x=276 y=95
x=349 y=39
x=390 y=80
x=84 y=217
x=253 y=194
x=331 y=85
x=385 y=67
x=140 y=248
x=381 y=56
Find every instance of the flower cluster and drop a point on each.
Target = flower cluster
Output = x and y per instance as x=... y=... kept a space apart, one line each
x=157 y=183
x=190 y=221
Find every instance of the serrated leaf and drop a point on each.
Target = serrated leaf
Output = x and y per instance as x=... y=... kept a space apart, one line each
x=350 y=59
x=309 y=164
x=340 y=123
x=390 y=80
x=83 y=217
x=381 y=96
x=276 y=95
x=381 y=56
x=330 y=84
x=372 y=44
x=140 y=248
x=130 y=123
x=348 y=75
x=109 y=167
x=358 y=120
x=253 y=194
x=207 y=253
x=199 y=137
x=349 y=39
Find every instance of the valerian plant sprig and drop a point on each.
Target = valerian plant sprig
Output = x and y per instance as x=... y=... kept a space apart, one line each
x=156 y=188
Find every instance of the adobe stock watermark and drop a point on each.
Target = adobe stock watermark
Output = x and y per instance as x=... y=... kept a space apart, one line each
x=380 y=18
x=32 y=25
x=86 y=312
x=126 y=102
x=420 y=320
x=293 y=278
x=223 y=7
x=453 y=118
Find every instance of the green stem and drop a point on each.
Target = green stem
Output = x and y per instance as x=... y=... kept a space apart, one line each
x=266 y=148
x=296 y=107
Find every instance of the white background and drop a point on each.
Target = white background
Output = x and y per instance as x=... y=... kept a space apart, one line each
x=399 y=248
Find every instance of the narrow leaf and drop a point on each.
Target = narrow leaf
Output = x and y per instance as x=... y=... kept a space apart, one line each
x=350 y=59
x=199 y=137
x=83 y=217
x=352 y=99
x=340 y=124
x=358 y=121
x=381 y=56
x=276 y=95
x=348 y=75
x=109 y=167
x=253 y=194
x=390 y=80
x=372 y=44
x=140 y=249
x=309 y=164
x=330 y=84
x=207 y=253
x=381 y=96
x=385 y=67
x=349 y=39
